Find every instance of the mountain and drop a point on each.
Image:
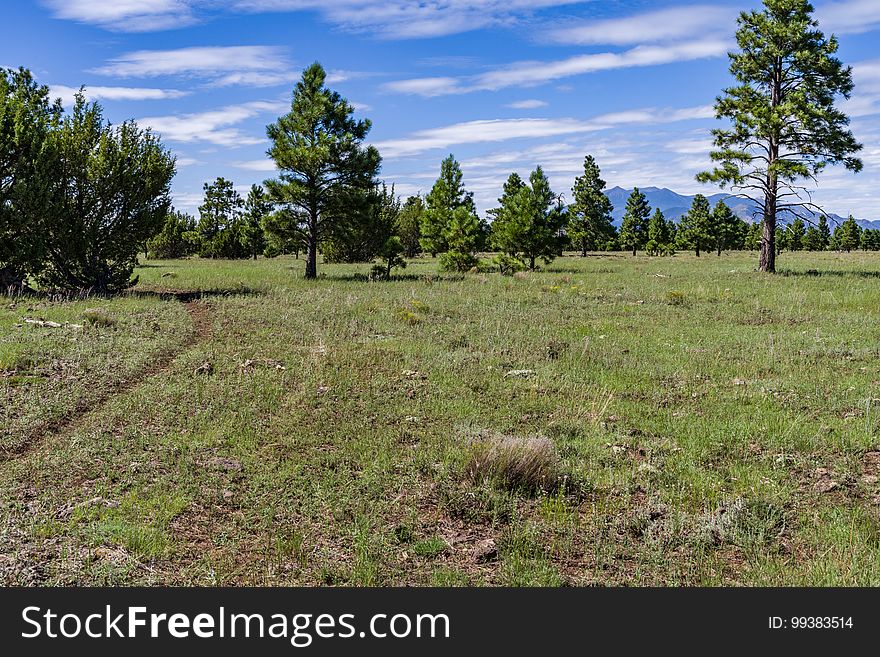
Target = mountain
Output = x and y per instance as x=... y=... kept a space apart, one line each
x=675 y=205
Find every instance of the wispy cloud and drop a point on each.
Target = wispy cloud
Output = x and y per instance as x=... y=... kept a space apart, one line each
x=849 y=16
x=265 y=165
x=527 y=104
x=127 y=15
x=221 y=65
x=214 y=126
x=67 y=94
x=532 y=73
x=653 y=27
x=410 y=19
x=498 y=130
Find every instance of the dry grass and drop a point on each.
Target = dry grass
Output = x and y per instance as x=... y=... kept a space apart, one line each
x=529 y=465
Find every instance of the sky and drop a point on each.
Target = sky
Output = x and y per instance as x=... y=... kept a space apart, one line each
x=504 y=85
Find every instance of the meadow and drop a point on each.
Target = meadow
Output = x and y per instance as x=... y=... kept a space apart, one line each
x=609 y=420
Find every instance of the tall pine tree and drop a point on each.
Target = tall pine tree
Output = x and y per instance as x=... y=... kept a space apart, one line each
x=446 y=196
x=528 y=223
x=589 y=224
x=634 y=228
x=318 y=148
x=785 y=126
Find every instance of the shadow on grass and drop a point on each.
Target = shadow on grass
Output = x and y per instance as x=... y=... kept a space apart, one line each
x=193 y=295
x=815 y=273
x=364 y=278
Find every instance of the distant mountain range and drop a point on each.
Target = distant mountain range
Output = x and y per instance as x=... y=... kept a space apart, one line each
x=674 y=206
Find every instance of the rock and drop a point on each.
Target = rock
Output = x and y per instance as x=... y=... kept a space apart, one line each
x=205 y=369
x=485 y=551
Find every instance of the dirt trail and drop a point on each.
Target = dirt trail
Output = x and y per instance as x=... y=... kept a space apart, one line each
x=200 y=315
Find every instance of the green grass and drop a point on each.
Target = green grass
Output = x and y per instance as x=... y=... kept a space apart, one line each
x=712 y=425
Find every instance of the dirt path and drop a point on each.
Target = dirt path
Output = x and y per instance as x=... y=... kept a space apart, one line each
x=200 y=315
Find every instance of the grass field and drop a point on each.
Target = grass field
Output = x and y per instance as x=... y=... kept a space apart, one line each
x=692 y=422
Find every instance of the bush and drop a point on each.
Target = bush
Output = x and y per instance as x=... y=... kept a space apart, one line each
x=529 y=465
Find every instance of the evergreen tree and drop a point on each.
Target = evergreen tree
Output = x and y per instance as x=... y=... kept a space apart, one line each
x=529 y=222
x=373 y=217
x=318 y=149
x=870 y=239
x=813 y=240
x=634 y=228
x=26 y=118
x=754 y=236
x=410 y=225
x=780 y=240
x=446 y=196
x=221 y=228
x=694 y=229
x=795 y=234
x=785 y=125
x=110 y=193
x=659 y=235
x=256 y=208
x=726 y=229
x=175 y=238
x=824 y=232
x=848 y=235
x=462 y=238
x=589 y=224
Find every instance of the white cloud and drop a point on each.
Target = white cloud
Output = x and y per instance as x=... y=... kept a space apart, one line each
x=497 y=130
x=527 y=104
x=127 y=15
x=849 y=16
x=66 y=94
x=531 y=73
x=652 y=27
x=220 y=63
x=264 y=165
x=213 y=127
x=407 y=19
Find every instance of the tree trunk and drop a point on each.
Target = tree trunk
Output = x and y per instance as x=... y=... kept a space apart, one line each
x=767 y=262
x=719 y=250
x=532 y=263
x=312 y=259
x=312 y=246
x=634 y=250
x=698 y=251
x=584 y=248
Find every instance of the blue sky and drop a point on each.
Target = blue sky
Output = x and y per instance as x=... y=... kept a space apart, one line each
x=505 y=85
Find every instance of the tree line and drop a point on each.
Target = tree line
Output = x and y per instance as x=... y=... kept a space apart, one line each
x=79 y=197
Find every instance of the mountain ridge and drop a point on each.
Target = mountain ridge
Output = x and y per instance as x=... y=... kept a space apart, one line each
x=674 y=206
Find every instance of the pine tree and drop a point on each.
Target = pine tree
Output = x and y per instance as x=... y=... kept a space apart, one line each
x=848 y=235
x=461 y=237
x=529 y=221
x=220 y=228
x=754 y=236
x=785 y=126
x=26 y=118
x=589 y=224
x=795 y=232
x=256 y=208
x=824 y=232
x=446 y=196
x=318 y=149
x=870 y=239
x=813 y=239
x=110 y=194
x=634 y=228
x=694 y=229
x=175 y=238
x=659 y=235
x=726 y=229
x=410 y=225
